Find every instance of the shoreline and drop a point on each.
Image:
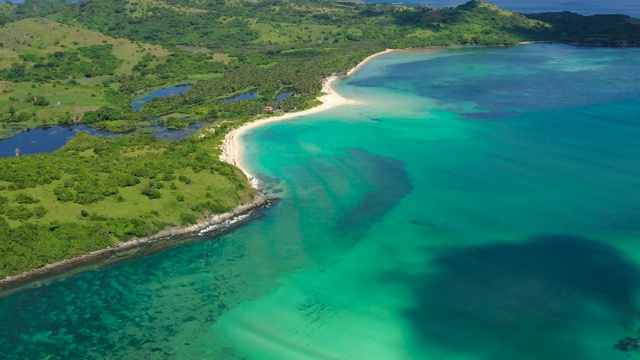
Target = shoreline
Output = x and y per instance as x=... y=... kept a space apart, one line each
x=232 y=153
x=232 y=148
x=203 y=225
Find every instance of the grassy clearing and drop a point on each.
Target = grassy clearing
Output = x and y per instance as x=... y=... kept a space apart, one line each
x=65 y=102
x=7 y=57
x=283 y=33
x=133 y=204
x=225 y=58
x=139 y=8
x=92 y=81
x=269 y=34
x=62 y=98
x=42 y=36
x=193 y=48
x=422 y=33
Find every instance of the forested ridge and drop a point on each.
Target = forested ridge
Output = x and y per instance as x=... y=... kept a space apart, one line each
x=67 y=63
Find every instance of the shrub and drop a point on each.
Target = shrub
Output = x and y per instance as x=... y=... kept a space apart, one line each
x=19 y=213
x=151 y=192
x=184 y=179
x=186 y=219
x=39 y=211
x=26 y=199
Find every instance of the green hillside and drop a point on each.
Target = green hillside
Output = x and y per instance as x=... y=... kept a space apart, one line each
x=66 y=63
x=610 y=30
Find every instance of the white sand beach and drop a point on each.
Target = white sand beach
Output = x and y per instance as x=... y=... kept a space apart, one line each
x=232 y=147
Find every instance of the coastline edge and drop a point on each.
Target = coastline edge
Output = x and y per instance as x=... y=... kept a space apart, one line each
x=232 y=154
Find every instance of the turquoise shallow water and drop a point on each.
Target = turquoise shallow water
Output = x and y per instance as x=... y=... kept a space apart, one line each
x=478 y=203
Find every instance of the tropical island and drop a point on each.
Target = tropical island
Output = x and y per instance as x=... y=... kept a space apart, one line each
x=82 y=63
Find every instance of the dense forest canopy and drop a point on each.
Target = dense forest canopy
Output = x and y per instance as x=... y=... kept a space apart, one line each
x=65 y=63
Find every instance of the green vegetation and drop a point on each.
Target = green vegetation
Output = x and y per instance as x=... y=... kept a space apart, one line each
x=87 y=61
x=97 y=191
x=82 y=56
x=610 y=30
x=66 y=63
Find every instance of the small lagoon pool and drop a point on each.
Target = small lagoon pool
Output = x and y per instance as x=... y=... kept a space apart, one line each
x=49 y=139
x=138 y=102
x=44 y=139
x=250 y=95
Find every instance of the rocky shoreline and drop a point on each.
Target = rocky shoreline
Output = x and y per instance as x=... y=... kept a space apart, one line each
x=53 y=269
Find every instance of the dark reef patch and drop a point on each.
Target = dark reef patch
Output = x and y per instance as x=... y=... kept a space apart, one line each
x=534 y=298
x=388 y=182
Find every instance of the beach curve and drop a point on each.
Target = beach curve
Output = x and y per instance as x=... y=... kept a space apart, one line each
x=232 y=147
x=232 y=154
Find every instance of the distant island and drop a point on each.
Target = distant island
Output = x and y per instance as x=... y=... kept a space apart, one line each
x=67 y=63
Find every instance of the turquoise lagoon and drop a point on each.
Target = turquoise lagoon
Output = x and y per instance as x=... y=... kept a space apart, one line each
x=477 y=203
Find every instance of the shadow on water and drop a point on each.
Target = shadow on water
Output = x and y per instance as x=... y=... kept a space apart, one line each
x=541 y=299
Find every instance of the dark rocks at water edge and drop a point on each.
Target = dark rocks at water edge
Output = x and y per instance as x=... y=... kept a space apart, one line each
x=53 y=269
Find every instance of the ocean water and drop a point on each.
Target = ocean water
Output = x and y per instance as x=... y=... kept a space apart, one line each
x=585 y=7
x=477 y=203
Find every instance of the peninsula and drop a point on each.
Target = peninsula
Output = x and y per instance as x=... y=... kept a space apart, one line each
x=82 y=63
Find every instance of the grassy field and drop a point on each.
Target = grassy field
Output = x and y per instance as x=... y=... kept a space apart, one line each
x=66 y=102
x=283 y=33
x=177 y=196
x=269 y=34
x=69 y=98
x=139 y=8
x=131 y=203
x=42 y=36
x=67 y=203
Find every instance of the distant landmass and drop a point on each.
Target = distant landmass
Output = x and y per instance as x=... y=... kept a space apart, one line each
x=585 y=7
